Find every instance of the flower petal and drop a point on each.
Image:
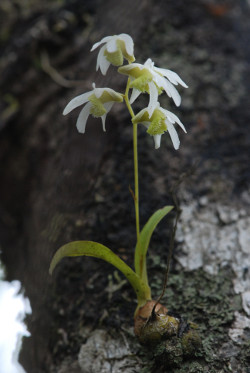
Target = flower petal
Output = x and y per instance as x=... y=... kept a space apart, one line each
x=129 y=44
x=83 y=117
x=142 y=117
x=133 y=69
x=145 y=123
x=77 y=101
x=172 y=76
x=174 y=119
x=135 y=93
x=107 y=95
x=153 y=98
x=111 y=45
x=173 y=134
x=169 y=89
x=157 y=140
x=102 y=61
x=98 y=92
x=149 y=64
x=104 y=40
x=108 y=106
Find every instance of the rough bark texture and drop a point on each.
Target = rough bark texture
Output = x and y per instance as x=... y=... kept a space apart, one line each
x=59 y=186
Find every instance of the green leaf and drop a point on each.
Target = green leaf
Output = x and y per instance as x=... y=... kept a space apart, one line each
x=97 y=250
x=144 y=240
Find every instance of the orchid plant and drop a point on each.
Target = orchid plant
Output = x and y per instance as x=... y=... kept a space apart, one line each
x=142 y=78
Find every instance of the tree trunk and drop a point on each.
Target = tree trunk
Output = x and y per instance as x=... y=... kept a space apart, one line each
x=59 y=186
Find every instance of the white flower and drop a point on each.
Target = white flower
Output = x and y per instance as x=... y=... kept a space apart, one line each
x=151 y=79
x=99 y=103
x=113 y=51
x=159 y=122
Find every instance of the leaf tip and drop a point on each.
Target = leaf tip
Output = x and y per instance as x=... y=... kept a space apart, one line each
x=51 y=269
x=52 y=266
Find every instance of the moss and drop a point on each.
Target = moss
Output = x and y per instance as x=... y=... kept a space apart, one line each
x=245 y=354
x=210 y=302
x=194 y=367
x=173 y=353
x=191 y=342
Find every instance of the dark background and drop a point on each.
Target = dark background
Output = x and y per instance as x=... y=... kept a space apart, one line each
x=57 y=185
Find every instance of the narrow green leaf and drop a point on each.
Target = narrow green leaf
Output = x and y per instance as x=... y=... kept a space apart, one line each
x=144 y=240
x=97 y=250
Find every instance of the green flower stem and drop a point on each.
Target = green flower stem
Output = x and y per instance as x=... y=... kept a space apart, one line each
x=136 y=197
x=136 y=177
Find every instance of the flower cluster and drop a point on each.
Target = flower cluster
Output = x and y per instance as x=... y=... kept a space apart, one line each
x=142 y=78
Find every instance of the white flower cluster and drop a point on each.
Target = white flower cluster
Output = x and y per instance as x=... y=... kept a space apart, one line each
x=143 y=78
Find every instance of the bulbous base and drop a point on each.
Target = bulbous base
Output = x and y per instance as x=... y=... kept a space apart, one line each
x=171 y=336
